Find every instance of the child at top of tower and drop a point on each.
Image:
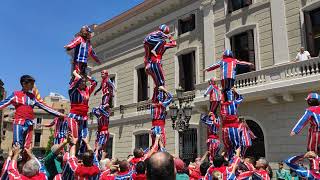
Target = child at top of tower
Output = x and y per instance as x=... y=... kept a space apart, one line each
x=156 y=39
x=82 y=50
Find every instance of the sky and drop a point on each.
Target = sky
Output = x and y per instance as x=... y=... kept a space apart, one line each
x=33 y=33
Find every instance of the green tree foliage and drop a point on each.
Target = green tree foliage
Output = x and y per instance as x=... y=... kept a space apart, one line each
x=50 y=142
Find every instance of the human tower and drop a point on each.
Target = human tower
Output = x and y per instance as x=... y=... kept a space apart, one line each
x=223 y=111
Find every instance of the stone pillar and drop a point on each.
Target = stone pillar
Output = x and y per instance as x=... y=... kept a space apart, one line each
x=279 y=32
x=208 y=34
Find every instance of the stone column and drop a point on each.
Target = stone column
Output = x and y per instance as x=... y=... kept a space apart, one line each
x=208 y=33
x=279 y=32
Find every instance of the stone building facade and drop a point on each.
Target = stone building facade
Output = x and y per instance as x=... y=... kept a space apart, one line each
x=267 y=33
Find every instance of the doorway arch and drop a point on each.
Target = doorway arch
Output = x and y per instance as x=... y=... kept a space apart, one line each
x=257 y=149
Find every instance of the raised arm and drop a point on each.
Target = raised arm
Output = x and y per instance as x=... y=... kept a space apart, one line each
x=93 y=84
x=48 y=109
x=209 y=89
x=99 y=89
x=213 y=66
x=301 y=171
x=6 y=102
x=93 y=54
x=52 y=123
x=76 y=41
x=244 y=63
x=302 y=122
x=239 y=99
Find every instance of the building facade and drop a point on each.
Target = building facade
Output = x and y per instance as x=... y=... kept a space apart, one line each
x=267 y=33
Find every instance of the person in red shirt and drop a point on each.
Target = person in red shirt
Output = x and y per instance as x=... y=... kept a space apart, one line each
x=140 y=171
x=89 y=169
x=31 y=170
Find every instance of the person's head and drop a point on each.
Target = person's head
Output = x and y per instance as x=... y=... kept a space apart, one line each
x=227 y=53
x=204 y=167
x=302 y=49
x=83 y=84
x=216 y=175
x=179 y=164
x=123 y=166
x=138 y=152
x=218 y=161
x=104 y=74
x=280 y=165
x=27 y=82
x=141 y=168
x=87 y=158
x=161 y=166
x=313 y=99
x=30 y=168
x=212 y=81
x=105 y=164
x=164 y=28
x=262 y=163
x=85 y=32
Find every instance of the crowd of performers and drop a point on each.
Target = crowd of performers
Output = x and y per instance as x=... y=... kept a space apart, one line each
x=72 y=129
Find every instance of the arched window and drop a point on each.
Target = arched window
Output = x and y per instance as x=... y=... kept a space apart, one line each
x=258 y=148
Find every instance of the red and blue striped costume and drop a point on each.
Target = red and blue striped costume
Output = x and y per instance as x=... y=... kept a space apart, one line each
x=215 y=96
x=24 y=103
x=127 y=175
x=103 y=125
x=156 y=39
x=107 y=87
x=302 y=172
x=230 y=125
x=227 y=73
x=79 y=100
x=83 y=48
x=158 y=114
x=213 y=141
x=60 y=130
x=81 y=172
x=246 y=136
x=312 y=115
x=4 y=171
x=153 y=65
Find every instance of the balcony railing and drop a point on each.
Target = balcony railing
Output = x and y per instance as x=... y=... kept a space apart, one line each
x=281 y=72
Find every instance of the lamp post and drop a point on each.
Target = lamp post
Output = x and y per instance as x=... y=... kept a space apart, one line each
x=180 y=115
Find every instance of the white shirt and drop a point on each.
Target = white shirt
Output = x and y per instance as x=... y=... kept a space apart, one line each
x=302 y=56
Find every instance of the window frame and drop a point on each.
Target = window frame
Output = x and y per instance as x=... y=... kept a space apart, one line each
x=192 y=16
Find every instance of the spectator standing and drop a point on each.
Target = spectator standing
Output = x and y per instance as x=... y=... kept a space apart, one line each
x=282 y=173
x=303 y=55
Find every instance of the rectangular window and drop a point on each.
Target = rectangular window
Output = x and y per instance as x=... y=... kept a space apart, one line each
x=187 y=24
x=187 y=73
x=111 y=103
x=39 y=120
x=234 y=5
x=142 y=85
x=37 y=138
x=188 y=145
x=242 y=46
x=109 y=147
x=142 y=141
x=312 y=26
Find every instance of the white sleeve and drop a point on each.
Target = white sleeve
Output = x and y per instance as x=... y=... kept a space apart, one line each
x=307 y=52
x=297 y=57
